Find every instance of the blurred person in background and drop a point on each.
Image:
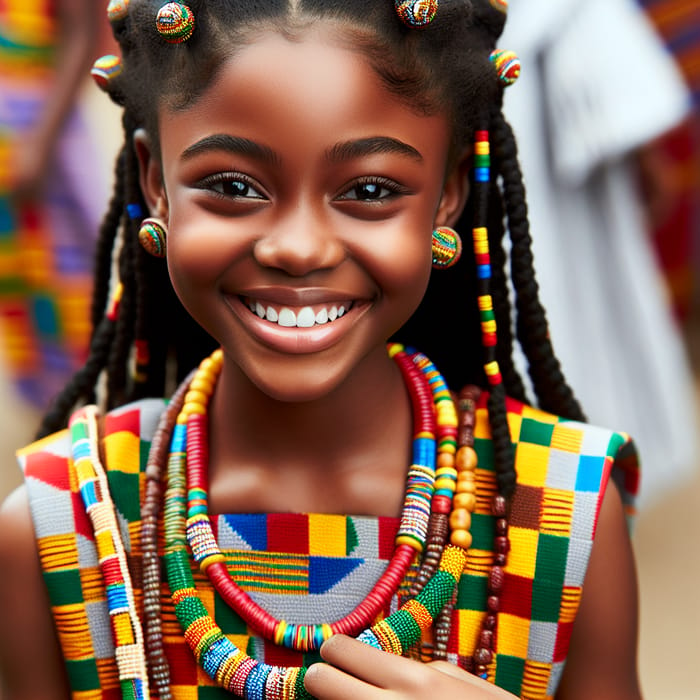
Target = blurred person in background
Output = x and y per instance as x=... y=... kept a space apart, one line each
x=50 y=206
x=675 y=218
x=597 y=87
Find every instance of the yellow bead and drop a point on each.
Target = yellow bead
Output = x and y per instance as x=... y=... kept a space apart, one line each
x=410 y=541
x=466 y=458
x=445 y=460
x=465 y=500
x=464 y=486
x=460 y=519
x=193 y=396
x=461 y=538
x=190 y=408
x=200 y=383
x=446 y=484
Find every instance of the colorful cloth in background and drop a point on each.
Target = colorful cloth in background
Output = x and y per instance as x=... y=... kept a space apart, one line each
x=46 y=249
x=677 y=236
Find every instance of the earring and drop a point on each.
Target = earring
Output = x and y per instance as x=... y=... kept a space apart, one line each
x=507 y=65
x=152 y=236
x=447 y=247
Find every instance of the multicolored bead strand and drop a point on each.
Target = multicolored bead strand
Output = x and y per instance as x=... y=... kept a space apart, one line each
x=158 y=668
x=225 y=663
x=94 y=491
x=482 y=177
x=412 y=531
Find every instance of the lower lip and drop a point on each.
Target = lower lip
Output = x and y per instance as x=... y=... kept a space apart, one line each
x=294 y=341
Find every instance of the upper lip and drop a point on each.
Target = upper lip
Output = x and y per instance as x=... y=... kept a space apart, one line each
x=291 y=296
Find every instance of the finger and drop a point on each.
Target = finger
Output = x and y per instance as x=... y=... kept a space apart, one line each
x=329 y=683
x=376 y=667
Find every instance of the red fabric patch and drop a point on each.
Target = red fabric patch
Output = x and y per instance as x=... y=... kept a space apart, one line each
x=561 y=646
x=516 y=598
x=288 y=532
x=386 y=537
x=183 y=668
x=281 y=656
x=49 y=469
x=128 y=421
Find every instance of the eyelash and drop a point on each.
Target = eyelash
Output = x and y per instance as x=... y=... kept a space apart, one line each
x=383 y=183
x=210 y=182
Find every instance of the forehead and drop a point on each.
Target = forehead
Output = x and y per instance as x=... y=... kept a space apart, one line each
x=308 y=82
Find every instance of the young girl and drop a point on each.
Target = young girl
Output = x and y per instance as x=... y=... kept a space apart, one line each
x=293 y=159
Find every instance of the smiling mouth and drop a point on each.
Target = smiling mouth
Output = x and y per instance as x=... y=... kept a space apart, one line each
x=298 y=317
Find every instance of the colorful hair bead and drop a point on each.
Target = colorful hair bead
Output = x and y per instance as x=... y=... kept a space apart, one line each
x=175 y=22
x=500 y=5
x=507 y=65
x=416 y=13
x=117 y=10
x=446 y=247
x=105 y=69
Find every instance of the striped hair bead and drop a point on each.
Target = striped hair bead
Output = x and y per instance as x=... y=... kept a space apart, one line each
x=507 y=65
x=500 y=5
x=105 y=69
x=175 y=22
x=117 y=10
x=416 y=13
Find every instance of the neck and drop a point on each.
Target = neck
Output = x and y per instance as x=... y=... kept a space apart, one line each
x=346 y=452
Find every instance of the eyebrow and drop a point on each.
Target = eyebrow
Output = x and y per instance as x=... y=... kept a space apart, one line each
x=370 y=146
x=231 y=144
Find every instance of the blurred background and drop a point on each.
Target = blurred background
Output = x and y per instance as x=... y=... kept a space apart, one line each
x=607 y=114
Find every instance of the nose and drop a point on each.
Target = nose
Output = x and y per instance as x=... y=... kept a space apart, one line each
x=299 y=244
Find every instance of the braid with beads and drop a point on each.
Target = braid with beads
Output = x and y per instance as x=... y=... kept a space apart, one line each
x=145 y=339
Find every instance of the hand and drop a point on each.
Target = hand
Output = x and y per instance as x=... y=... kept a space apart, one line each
x=356 y=670
x=30 y=162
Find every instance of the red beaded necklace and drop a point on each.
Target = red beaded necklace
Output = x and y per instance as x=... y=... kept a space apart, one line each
x=419 y=492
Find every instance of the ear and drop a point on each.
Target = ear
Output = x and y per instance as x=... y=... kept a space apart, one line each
x=454 y=192
x=150 y=176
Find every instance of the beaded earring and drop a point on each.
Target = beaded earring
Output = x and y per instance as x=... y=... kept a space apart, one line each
x=416 y=13
x=446 y=247
x=482 y=178
x=507 y=66
x=152 y=236
x=105 y=69
x=175 y=22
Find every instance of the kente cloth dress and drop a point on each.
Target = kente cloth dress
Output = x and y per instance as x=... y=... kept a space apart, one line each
x=312 y=568
x=596 y=84
x=46 y=250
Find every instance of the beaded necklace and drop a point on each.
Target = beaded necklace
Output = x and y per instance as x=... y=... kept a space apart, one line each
x=434 y=588
x=429 y=428
x=225 y=663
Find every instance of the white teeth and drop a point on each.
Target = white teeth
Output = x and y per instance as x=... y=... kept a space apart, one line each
x=287 y=318
x=322 y=317
x=306 y=318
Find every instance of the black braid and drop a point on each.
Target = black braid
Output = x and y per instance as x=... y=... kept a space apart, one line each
x=553 y=393
x=105 y=244
x=83 y=382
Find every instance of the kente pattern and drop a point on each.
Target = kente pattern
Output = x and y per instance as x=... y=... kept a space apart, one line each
x=308 y=566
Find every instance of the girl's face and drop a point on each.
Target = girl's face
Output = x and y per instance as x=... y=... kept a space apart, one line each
x=300 y=197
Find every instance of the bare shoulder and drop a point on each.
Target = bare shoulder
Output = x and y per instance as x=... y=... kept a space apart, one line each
x=602 y=661
x=27 y=632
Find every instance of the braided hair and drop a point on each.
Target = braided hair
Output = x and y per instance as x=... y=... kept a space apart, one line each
x=148 y=340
